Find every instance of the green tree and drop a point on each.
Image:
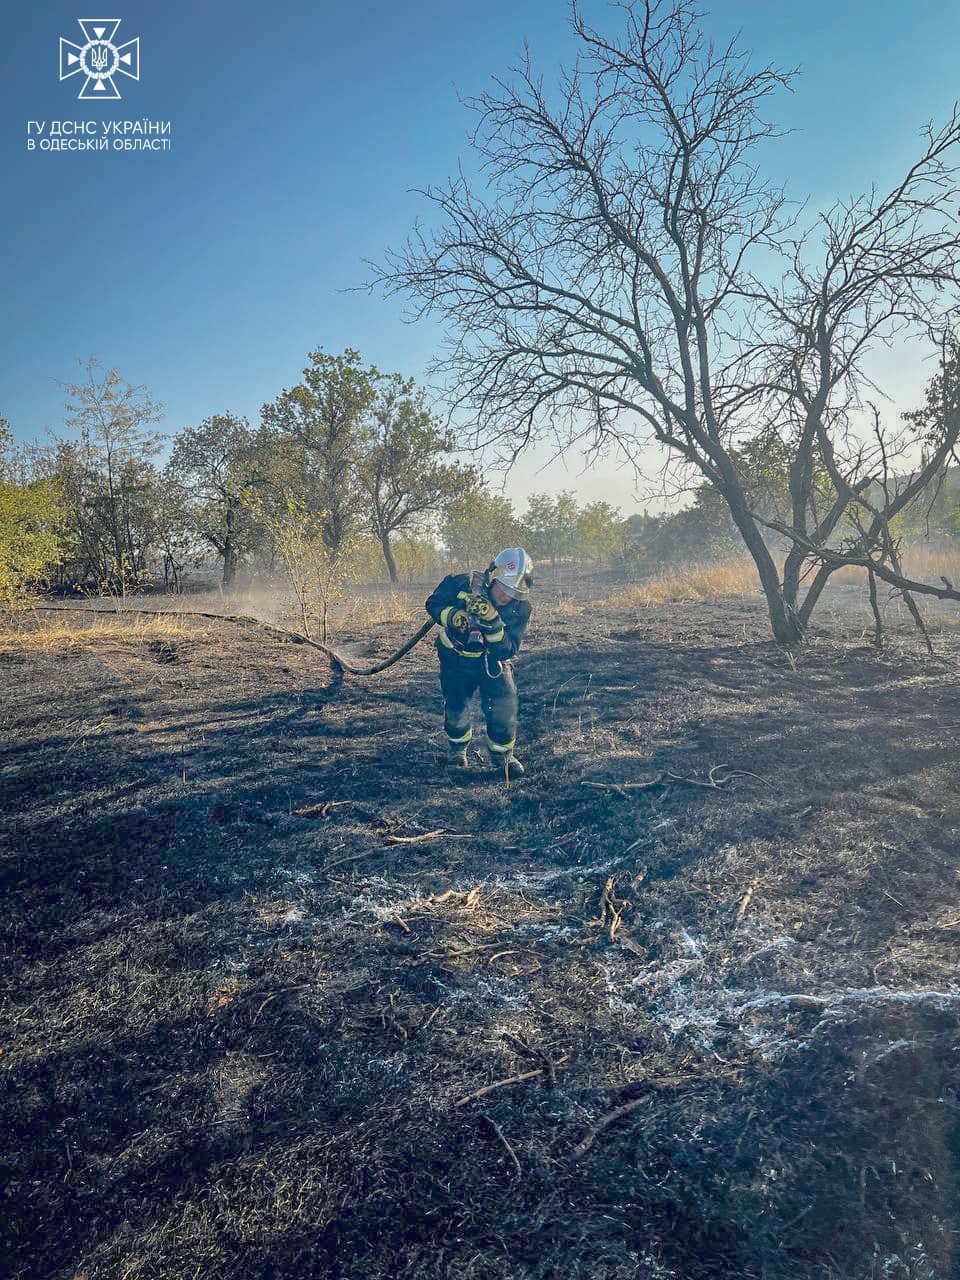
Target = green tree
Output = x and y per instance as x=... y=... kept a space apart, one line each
x=601 y=530
x=216 y=464
x=315 y=429
x=175 y=529
x=477 y=525
x=550 y=526
x=935 y=514
x=30 y=529
x=401 y=464
x=316 y=571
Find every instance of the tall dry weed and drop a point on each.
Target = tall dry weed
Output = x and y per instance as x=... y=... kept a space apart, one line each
x=738 y=577
x=923 y=564
x=47 y=633
x=390 y=606
x=735 y=577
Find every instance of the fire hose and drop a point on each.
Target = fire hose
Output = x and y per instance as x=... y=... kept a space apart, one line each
x=337 y=661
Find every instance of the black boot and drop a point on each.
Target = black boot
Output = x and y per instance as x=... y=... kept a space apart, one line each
x=507 y=764
x=457 y=756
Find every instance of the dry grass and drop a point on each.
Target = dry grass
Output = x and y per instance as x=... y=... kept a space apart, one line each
x=697 y=582
x=923 y=564
x=567 y=609
x=45 y=633
x=392 y=606
x=738 y=577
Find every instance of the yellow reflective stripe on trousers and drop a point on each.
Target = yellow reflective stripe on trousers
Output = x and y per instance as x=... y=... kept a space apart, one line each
x=455 y=742
x=501 y=750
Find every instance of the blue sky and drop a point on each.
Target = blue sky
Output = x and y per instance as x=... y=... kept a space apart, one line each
x=299 y=130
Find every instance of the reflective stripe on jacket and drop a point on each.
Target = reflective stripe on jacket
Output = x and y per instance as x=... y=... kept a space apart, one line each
x=453 y=593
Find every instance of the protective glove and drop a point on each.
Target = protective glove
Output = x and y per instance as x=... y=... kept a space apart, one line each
x=483 y=613
x=458 y=624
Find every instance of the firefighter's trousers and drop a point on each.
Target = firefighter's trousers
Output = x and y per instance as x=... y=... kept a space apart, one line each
x=460 y=678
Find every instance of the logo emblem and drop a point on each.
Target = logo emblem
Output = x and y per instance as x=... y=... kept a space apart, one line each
x=99 y=59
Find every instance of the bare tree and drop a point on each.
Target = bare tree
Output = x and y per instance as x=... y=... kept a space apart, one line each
x=628 y=275
x=106 y=476
x=873 y=486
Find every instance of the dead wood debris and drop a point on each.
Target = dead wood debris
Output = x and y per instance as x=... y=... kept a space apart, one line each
x=592 y=1134
x=427 y=835
x=508 y=1080
x=339 y=862
x=322 y=810
x=664 y=1082
x=500 y=1134
x=389 y=1021
x=468 y=901
x=745 y=900
x=718 y=777
x=611 y=909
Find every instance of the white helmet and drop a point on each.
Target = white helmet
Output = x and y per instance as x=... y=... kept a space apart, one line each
x=513 y=569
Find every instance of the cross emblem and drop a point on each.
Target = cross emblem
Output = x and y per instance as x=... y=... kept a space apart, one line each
x=99 y=59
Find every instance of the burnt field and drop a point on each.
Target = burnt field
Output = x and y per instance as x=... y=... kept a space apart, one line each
x=279 y=999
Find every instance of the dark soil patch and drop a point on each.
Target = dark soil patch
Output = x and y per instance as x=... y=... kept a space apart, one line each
x=243 y=1005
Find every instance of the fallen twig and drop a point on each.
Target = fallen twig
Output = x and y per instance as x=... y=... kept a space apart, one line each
x=592 y=1134
x=745 y=901
x=470 y=899
x=611 y=909
x=500 y=1134
x=353 y=858
x=273 y=995
x=460 y=952
x=713 y=782
x=630 y=847
x=502 y=1084
x=422 y=1028
x=320 y=810
x=428 y=835
x=623 y=787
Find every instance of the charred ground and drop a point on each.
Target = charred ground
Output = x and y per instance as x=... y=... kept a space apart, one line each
x=243 y=1005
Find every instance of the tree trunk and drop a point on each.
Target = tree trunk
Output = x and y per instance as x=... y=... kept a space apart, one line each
x=784 y=622
x=791 y=575
x=388 y=556
x=229 y=549
x=787 y=630
x=229 y=563
x=814 y=591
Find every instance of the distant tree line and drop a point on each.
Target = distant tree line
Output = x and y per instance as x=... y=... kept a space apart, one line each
x=349 y=472
x=355 y=449
x=705 y=529
x=350 y=463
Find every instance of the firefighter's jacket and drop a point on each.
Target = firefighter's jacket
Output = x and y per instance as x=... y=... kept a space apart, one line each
x=453 y=593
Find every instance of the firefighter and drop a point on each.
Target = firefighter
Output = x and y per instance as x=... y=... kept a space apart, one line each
x=482 y=620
